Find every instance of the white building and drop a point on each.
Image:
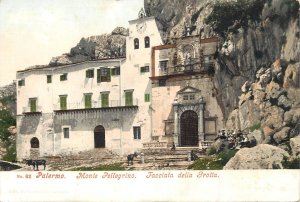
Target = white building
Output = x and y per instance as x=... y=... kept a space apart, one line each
x=104 y=103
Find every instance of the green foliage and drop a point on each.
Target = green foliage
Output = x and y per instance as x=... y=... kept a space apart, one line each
x=213 y=163
x=211 y=151
x=7 y=120
x=229 y=16
x=255 y=127
x=108 y=167
x=291 y=163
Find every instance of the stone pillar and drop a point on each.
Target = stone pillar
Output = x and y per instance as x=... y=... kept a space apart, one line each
x=176 y=135
x=201 y=122
x=142 y=158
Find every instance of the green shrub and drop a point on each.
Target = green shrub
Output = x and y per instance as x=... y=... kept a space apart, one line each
x=255 y=127
x=214 y=162
x=211 y=151
x=291 y=163
x=226 y=14
x=108 y=167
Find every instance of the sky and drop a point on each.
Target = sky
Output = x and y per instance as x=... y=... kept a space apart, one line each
x=34 y=31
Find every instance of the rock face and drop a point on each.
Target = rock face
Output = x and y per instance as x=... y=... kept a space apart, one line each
x=95 y=47
x=263 y=156
x=266 y=31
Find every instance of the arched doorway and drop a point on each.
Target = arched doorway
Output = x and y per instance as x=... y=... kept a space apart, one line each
x=34 y=143
x=189 y=128
x=99 y=137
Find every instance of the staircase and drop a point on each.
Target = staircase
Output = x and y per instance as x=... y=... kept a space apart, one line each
x=89 y=158
x=164 y=159
x=154 y=159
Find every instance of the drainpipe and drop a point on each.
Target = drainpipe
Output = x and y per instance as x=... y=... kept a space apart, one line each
x=120 y=103
x=52 y=101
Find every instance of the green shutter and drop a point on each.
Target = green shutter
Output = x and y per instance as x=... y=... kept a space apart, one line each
x=63 y=102
x=98 y=76
x=88 y=101
x=147 y=97
x=128 y=99
x=104 y=100
x=108 y=75
x=49 y=79
x=32 y=105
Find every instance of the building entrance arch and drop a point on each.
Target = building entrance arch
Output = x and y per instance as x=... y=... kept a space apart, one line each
x=189 y=128
x=99 y=137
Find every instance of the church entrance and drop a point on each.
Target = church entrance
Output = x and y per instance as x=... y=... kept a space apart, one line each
x=99 y=137
x=189 y=128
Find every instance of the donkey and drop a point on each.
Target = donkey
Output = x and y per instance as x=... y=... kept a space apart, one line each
x=130 y=158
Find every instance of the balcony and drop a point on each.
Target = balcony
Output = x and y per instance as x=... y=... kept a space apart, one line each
x=191 y=67
x=32 y=110
x=112 y=104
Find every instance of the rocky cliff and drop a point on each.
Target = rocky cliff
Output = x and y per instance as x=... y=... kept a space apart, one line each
x=111 y=45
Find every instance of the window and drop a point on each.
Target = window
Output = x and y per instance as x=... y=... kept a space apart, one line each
x=147 y=97
x=32 y=103
x=103 y=75
x=192 y=97
x=115 y=71
x=105 y=99
x=89 y=73
x=66 y=132
x=144 y=69
x=49 y=78
x=162 y=82
x=147 y=42
x=136 y=43
x=163 y=65
x=21 y=82
x=88 y=101
x=185 y=97
x=64 y=77
x=63 y=102
x=137 y=132
x=128 y=98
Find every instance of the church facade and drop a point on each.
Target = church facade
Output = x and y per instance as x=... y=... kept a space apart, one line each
x=160 y=93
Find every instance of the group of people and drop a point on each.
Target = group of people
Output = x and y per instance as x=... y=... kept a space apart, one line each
x=235 y=139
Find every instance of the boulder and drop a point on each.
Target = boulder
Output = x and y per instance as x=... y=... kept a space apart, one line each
x=273 y=90
x=249 y=114
x=265 y=78
x=281 y=135
x=257 y=135
x=245 y=87
x=273 y=117
x=244 y=97
x=292 y=117
x=291 y=77
x=295 y=145
x=120 y=31
x=295 y=131
x=262 y=156
x=284 y=102
x=259 y=96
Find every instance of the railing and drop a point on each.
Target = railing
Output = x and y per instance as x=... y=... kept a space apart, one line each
x=155 y=144
x=94 y=104
x=32 y=110
x=206 y=144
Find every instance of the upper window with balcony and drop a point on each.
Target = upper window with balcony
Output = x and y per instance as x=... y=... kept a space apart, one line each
x=88 y=100
x=63 y=102
x=33 y=104
x=103 y=75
